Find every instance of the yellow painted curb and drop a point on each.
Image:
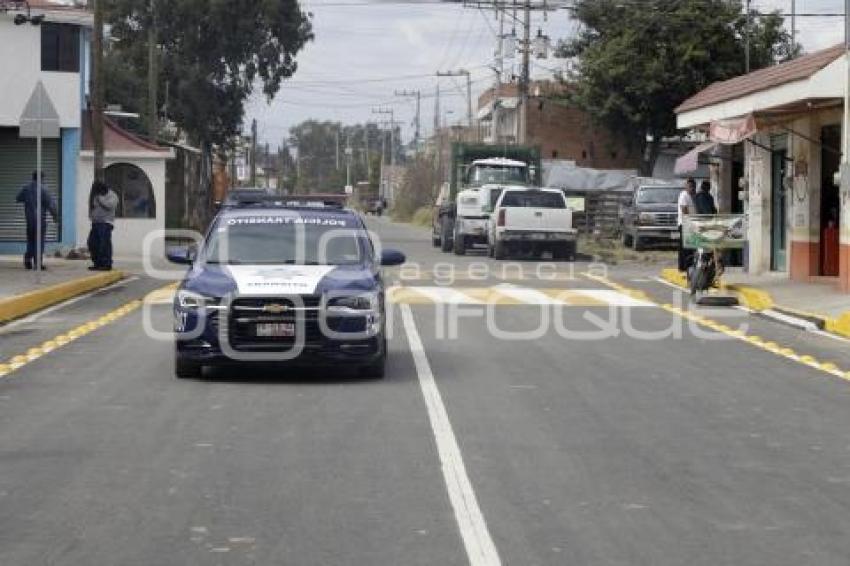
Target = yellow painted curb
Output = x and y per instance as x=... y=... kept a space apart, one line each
x=840 y=325
x=28 y=303
x=675 y=277
x=758 y=300
x=750 y=297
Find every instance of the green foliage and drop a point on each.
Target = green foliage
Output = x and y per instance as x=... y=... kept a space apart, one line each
x=212 y=55
x=415 y=191
x=317 y=147
x=639 y=60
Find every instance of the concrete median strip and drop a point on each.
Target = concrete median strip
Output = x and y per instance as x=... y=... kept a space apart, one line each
x=27 y=303
x=760 y=301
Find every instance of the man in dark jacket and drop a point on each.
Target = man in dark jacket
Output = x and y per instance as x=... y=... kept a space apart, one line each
x=28 y=195
x=703 y=201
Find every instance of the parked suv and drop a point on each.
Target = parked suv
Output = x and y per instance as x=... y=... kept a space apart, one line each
x=650 y=216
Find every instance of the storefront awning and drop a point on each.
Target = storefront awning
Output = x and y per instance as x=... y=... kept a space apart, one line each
x=689 y=162
x=732 y=131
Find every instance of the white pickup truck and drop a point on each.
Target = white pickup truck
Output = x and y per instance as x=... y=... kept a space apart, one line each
x=532 y=221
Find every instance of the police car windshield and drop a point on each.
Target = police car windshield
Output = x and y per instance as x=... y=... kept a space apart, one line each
x=289 y=239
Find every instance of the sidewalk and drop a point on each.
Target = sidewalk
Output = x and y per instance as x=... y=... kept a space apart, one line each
x=820 y=298
x=817 y=303
x=20 y=295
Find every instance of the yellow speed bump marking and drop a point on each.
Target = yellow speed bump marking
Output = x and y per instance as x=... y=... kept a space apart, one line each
x=36 y=352
x=755 y=341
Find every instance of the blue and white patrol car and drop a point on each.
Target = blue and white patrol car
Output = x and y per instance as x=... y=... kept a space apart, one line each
x=282 y=282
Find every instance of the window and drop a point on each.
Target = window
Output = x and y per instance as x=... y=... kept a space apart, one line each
x=134 y=190
x=533 y=199
x=60 y=48
x=659 y=195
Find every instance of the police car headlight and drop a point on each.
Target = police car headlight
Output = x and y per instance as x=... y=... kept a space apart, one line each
x=192 y=300
x=363 y=302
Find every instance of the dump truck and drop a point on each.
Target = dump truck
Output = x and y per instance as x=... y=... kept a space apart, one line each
x=478 y=173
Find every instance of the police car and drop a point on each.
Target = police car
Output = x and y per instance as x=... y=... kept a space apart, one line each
x=282 y=282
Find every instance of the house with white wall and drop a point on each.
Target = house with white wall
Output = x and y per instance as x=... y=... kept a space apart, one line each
x=135 y=169
x=47 y=41
x=775 y=147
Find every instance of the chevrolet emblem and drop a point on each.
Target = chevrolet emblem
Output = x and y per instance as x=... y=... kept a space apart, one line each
x=275 y=308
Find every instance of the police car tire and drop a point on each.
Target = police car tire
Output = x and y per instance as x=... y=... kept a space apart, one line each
x=186 y=369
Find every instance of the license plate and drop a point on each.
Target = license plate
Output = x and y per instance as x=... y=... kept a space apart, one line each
x=674 y=235
x=538 y=236
x=276 y=330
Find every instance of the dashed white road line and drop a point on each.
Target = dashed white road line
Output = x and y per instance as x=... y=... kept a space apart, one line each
x=479 y=546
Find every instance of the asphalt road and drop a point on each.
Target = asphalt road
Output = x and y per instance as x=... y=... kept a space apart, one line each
x=612 y=432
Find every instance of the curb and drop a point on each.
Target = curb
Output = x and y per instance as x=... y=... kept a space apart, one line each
x=761 y=302
x=27 y=303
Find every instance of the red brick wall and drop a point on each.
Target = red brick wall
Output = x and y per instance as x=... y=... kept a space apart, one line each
x=564 y=132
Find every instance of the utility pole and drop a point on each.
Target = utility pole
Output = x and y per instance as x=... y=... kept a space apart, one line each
x=97 y=89
x=282 y=181
x=845 y=169
x=253 y=159
x=381 y=188
x=463 y=73
x=368 y=157
x=337 y=147
x=153 y=74
x=437 y=109
x=747 y=40
x=793 y=23
x=524 y=80
x=391 y=113
x=348 y=155
x=416 y=123
x=265 y=165
x=499 y=70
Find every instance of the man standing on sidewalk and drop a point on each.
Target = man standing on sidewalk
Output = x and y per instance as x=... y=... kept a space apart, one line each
x=684 y=207
x=103 y=202
x=28 y=195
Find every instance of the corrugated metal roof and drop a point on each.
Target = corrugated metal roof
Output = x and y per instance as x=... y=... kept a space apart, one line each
x=763 y=79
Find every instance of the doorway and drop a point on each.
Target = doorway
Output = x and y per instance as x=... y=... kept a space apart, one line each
x=829 y=200
x=778 y=208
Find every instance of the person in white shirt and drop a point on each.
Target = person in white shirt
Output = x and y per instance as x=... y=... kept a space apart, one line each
x=684 y=207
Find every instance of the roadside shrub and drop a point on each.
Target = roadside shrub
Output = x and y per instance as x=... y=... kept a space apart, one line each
x=416 y=189
x=422 y=216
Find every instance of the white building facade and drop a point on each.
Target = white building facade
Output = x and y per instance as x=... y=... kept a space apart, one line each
x=49 y=44
x=776 y=150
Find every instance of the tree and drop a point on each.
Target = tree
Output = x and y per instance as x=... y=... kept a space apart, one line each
x=638 y=60
x=317 y=154
x=417 y=185
x=213 y=53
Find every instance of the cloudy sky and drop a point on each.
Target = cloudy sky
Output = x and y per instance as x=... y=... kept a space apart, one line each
x=366 y=49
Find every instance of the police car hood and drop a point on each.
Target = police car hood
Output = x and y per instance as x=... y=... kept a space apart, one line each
x=279 y=280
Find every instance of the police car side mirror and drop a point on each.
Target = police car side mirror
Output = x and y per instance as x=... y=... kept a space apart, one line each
x=392 y=257
x=182 y=255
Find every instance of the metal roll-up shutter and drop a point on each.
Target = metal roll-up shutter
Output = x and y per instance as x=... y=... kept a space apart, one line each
x=17 y=162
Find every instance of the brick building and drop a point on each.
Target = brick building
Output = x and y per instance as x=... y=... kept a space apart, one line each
x=562 y=131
